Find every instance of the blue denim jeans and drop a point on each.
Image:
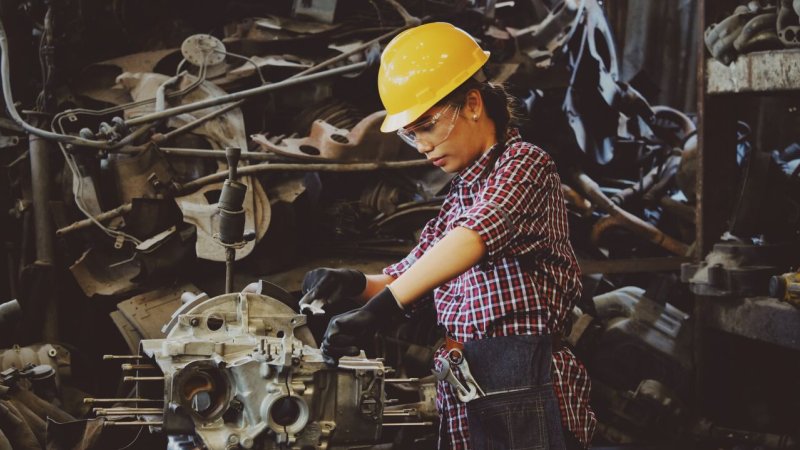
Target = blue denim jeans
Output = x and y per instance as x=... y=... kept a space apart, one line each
x=520 y=409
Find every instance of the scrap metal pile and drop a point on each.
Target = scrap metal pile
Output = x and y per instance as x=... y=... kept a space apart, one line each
x=755 y=26
x=120 y=115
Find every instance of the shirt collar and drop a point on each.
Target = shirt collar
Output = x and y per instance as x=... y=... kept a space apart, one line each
x=474 y=171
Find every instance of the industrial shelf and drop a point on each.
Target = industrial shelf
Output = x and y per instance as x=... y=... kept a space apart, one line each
x=758 y=72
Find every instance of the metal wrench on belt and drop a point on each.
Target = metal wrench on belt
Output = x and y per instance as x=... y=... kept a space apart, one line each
x=455 y=357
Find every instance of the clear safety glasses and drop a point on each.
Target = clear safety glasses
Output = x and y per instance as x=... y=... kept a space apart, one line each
x=433 y=130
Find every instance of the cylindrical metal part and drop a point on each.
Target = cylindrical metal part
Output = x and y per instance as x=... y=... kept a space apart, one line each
x=401 y=380
x=110 y=423
x=9 y=312
x=41 y=179
x=232 y=196
x=81 y=224
x=106 y=357
x=90 y=401
x=126 y=411
x=231 y=226
x=138 y=367
x=408 y=424
x=232 y=154
x=230 y=257
x=143 y=379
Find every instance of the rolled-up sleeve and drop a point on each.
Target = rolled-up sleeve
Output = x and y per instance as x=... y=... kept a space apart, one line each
x=511 y=202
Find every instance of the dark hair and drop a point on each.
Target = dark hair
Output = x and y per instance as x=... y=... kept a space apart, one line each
x=500 y=106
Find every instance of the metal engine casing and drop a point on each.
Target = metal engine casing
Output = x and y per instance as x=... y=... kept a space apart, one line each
x=243 y=371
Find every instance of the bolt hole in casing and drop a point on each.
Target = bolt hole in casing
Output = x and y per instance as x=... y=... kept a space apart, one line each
x=203 y=389
x=285 y=414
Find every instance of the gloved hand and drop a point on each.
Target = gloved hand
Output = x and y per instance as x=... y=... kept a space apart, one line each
x=330 y=286
x=349 y=332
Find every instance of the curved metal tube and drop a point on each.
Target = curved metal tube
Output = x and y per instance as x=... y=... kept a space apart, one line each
x=620 y=217
x=272 y=167
x=5 y=76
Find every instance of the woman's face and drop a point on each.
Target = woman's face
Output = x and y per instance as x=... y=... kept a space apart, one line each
x=451 y=136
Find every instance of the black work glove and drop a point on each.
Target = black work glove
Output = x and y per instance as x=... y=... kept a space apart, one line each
x=349 y=332
x=330 y=286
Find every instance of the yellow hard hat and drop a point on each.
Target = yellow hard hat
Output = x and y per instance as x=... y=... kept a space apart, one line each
x=420 y=66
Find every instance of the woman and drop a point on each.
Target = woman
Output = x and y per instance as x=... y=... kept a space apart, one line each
x=497 y=257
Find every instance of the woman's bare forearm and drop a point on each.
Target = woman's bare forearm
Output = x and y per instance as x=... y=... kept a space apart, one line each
x=459 y=250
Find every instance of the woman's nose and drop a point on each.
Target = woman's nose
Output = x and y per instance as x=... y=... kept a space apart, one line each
x=423 y=147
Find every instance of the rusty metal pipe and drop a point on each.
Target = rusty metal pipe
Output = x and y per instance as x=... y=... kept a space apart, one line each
x=272 y=167
x=85 y=223
x=259 y=90
x=41 y=179
x=202 y=153
x=622 y=218
x=197 y=122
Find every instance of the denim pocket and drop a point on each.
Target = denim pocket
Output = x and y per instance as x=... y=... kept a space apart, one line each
x=516 y=420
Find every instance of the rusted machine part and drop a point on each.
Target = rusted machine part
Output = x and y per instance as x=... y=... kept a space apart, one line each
x=277 y=167
x=758 y=34
x=41 y=177
x=745 y=30
x=666 y=113
x=653 y=185
x=364 y=142
x=42 y=293
x=216 y=154
x=102 y=217
x=199 y=211
x=53 y=355
x=161 y=92
x=685 y=212
x=666 y=175
x=788 y=22
x=576 y=200
x=196 y=123
x=538 y=36
x=207 y=103
x=624 y=196
x=620 y=217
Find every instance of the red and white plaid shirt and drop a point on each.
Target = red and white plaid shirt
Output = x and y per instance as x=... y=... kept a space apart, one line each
x=526 y=285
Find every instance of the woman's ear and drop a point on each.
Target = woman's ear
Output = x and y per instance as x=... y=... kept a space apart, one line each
x=473 y=104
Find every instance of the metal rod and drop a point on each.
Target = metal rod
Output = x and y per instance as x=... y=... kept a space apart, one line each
x=401 y=380
x=90 y=401
x=143 y=379
x=197 y=122
x=272 y=167
x=126 y=411
x=230 y=256
x=107 y=357
x=408 y=424
x=201 y=153
x=404 y=413
x=85 y=223
x=138 y=367
x=347 y=54
x=169 y=112
x=110 y=423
